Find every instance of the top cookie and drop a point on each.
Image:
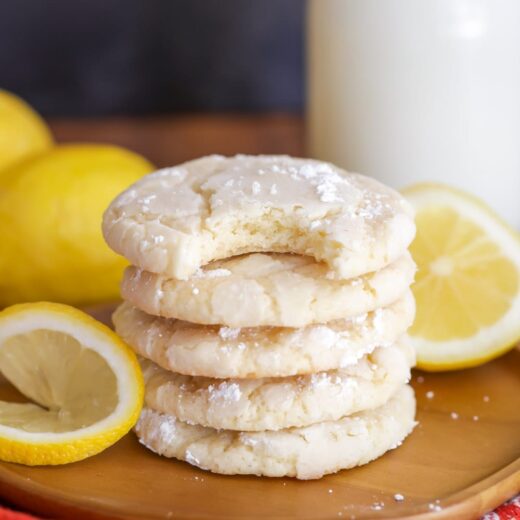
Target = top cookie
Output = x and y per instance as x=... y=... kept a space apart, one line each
x=178 y=219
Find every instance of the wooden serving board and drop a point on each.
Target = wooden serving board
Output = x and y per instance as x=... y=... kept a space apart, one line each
x=452 y=466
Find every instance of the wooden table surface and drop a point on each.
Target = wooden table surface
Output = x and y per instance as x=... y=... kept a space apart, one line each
x=170 y=140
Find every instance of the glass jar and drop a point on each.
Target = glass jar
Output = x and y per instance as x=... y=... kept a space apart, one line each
x=419 y=90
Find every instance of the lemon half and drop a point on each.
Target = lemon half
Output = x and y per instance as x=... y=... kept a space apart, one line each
x=467 y=286
x=84 y=384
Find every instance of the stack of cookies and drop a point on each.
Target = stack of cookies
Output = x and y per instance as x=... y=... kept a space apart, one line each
x=269 y=299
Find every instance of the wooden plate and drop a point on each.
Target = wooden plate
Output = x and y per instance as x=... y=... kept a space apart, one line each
x=462 y=460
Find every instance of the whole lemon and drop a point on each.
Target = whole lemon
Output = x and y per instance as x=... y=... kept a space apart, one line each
x=23 y=132
x=51 y=207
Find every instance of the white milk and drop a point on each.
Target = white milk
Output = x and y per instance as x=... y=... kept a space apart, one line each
x=419 y=90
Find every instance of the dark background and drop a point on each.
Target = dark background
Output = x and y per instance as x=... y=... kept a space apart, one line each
x=102 y=57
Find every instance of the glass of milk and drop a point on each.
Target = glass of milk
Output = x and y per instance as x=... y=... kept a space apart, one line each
x=419 y=90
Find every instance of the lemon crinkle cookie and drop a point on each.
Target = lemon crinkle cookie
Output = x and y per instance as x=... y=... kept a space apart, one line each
x=305 y=453
x=276 y=403
x=260 y=289
x=178 y=219
x=224 y=352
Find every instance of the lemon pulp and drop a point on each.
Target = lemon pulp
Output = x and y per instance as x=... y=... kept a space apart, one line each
x=72 y=387
x=463 y=282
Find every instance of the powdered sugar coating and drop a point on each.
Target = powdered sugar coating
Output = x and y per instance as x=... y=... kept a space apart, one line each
x=278 y=290
x=277 y=403
x=228 y=333
x=216 y=207
x=224 y=352
x=304 y=453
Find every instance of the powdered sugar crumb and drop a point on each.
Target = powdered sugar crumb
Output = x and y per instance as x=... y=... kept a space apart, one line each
x=225 y=391
x=323 y=379
x=323 y=177
x=327 y=192
x=360 y=319
x=435 y=506
x=377 y=506
x=229 y=333
x=167 y=428
x=173 y=171
x=191 y=458
x=211 y=273
x=248 y=439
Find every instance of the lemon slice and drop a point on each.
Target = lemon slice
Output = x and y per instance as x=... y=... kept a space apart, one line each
x=467 y=284
x=84 y=384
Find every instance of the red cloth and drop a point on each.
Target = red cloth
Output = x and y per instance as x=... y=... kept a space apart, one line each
x=7 y=514
x=508 y=511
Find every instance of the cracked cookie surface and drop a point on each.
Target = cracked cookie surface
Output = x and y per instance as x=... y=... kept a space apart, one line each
x=178 y=219
x=259 y=289
x=278 y=403
x=304 y=453
x=253 y=352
